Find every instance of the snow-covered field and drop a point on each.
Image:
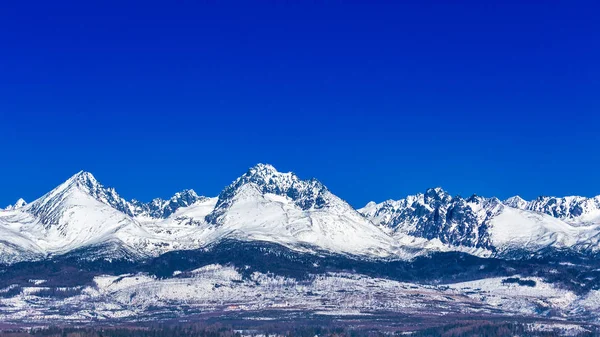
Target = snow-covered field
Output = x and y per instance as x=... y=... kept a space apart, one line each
x=216 y=288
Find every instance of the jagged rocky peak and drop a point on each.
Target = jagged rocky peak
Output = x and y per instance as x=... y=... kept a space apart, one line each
x=79 y=182
x=184 y=198
x=516 y=202
x=107 y=195
x=306 y=194
x=436 y=194
x=87 y=184
x=20 y=203
x=270 y=180
x=85 y=178
x=187 y=194
x=75 y=191
x=436 y=214
x=566 y=208
x=160 y=208
x=157 y=208
x=476 y=199
x=479 y=200
x=82 y=180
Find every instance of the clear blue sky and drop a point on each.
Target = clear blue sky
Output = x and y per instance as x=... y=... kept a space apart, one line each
x=376 y=100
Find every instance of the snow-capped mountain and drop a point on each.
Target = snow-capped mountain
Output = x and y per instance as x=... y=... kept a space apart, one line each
x=435 y=215
x=574 y=209
x=478 y=222
x=76 y=214
x=303 y=215
x=160 y=208
x=516 y=202
x=268 y=205
x=82 y=214
x=263 y=205
x=157 y=208
x=20 y=203
x=305 y=194
x=272 y=234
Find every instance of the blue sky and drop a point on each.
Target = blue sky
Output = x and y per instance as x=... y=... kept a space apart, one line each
x=377 y=100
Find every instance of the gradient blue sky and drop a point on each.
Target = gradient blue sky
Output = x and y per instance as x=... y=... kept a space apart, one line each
x=376 y=100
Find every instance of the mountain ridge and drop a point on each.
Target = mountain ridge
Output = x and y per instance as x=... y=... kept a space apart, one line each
x=573 y=208
x=267 y=205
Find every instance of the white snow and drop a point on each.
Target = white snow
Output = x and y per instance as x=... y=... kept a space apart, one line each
x=20 y=203
x=216 y=287
x=518 y=229
x=80 y=213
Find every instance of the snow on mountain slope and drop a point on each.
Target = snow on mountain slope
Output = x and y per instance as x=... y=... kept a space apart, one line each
x=264 y=204
x=76 y=214
x=573 y=209
x=186 y=228
x=516 y=202
x=514 y=229
x=159 y=208
x=261 y=205
x=435 y=215
x=20 y=203
x=479 y=223
x=198 y=210
x=15 y=242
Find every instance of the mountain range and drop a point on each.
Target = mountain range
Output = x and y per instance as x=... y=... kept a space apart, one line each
x=269 y=206
x=274 y=244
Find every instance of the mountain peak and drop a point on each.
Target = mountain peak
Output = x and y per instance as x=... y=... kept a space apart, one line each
x=160 y=208
x=85 y=184
x=516 y=202
x=437 y=194
x=187 y=193
x=266 y=173
x=435 y=190
x=306 y=194
x=437 y=215
x=572 y=208
x=80 y=189
x=83 y=176
x=263 y=168
x=474 y=198
x=268 y=178
x=83 y=179
x=20 y=203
